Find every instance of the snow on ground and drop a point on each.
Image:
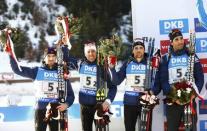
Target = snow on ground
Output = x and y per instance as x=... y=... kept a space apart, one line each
x=73 y=124
x=12 y=95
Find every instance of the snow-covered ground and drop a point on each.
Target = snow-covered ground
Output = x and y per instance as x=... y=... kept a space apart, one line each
x=12 y=97
x=74 y=125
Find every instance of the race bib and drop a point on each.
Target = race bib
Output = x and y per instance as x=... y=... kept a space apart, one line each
x=177 y=68
x=177 y=74
x=135 y=77
x=88 y=81
x=88 y=77
x=48 y=89
x=46 y=84
x=135 y=80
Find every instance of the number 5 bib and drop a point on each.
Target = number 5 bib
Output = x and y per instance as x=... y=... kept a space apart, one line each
x=135 y=77
x=177 y=68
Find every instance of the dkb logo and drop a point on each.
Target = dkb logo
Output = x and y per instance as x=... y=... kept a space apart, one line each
x=167 y=25
x=201 y=45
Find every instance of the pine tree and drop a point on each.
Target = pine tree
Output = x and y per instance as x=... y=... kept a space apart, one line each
x=3 y=7
x=21 y=42
x=99 y=17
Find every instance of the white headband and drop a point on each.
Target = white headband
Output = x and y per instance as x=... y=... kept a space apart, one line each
x=90 y=46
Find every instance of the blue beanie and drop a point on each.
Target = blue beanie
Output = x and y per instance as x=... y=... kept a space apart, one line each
x=51 y=50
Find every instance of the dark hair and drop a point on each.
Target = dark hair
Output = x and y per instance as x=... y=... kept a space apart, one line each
x=48 y=50
x=138 y=41
x=174 y=33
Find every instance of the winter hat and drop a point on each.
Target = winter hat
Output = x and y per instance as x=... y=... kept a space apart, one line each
x=51 y=50
x=138 y=41
x=90 y=45
x=174 y=33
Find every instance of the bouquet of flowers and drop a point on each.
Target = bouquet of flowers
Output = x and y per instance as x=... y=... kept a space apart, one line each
x=148 y=100
x=74 y=25
x=67 y=26
x=109 y=48
x=6 y=42
x=181 y=91
x=4 y=37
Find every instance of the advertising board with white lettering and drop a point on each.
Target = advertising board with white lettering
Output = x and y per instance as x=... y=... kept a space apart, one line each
x=158 y=19
x=26 y=113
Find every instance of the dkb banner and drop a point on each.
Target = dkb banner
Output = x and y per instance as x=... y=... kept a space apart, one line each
x=155 y=18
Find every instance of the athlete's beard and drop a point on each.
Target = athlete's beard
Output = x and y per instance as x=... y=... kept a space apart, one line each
x=138 y=55
x=179 y=47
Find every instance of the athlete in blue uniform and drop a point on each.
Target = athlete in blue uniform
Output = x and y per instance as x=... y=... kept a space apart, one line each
x=46 y=84
x=134 y=71
x=88 y=79
x=173 y=68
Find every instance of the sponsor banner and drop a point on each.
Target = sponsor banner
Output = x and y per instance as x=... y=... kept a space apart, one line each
x=6 y=76
x=26 y=113
x=16 y=113
x=198 y=27
x=204 y=64
x=203 y=107
x=163 y=21
x=203 y=125
x=164 y=45
x=201 y=45
x=167 y=25
x=117 y=109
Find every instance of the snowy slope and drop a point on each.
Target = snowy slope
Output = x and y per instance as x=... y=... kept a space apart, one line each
x=48 y=11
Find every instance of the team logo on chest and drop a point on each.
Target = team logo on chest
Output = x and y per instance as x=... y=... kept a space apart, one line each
x=90 y=70
x=178 y=61
x=133 y=68
x=50 y=75
x=46 y=75
x=138 y=67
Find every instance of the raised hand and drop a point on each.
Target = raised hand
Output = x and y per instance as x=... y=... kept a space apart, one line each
x=112 y=61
